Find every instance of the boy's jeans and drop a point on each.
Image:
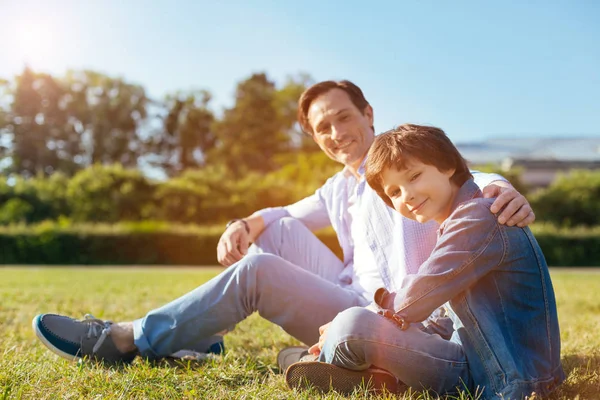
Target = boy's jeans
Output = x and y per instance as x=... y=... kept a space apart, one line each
x=289 y=277
x=359 y=338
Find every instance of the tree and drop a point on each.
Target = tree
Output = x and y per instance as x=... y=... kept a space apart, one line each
x=286 y=103
x=251 y=132
x=186 y=133
x=571 y=200
x=110 y=112
x=38 y=131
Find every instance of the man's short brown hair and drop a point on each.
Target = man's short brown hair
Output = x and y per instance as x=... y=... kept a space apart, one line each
x=356 y=96
x=427 y=144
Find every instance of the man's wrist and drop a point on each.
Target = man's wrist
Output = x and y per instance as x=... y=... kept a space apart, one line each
x=243 y=221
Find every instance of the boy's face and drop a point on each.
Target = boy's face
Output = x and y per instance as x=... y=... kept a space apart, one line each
x=420 y=192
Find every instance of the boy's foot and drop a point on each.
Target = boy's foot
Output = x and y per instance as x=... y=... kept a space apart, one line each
x=75 y=339
x=326 y=377
x=291 y=355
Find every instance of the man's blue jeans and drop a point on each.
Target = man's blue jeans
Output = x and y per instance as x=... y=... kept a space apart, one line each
x=289 y=277
x=358 y=338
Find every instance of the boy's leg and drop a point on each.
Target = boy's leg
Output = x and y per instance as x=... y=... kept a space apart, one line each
x=358 y=338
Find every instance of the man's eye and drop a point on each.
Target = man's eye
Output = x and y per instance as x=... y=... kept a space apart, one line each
x=344 y=118
x=415 y=176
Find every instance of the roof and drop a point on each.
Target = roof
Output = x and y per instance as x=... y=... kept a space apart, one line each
x=566 y=149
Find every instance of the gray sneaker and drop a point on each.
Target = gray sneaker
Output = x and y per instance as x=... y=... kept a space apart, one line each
x=76 y=339
x=293 y=354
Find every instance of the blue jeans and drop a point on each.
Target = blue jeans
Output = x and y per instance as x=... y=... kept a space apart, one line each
x=289 y=277
x=359 y=338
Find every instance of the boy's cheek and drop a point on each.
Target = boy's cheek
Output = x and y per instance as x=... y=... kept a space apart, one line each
x=405 y=213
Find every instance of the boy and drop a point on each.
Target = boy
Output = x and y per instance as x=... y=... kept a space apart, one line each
x=492 y=278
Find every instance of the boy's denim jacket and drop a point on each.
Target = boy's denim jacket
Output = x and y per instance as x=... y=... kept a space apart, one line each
x=497 y=289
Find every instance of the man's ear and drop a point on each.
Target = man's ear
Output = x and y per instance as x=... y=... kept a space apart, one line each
x=368 y=112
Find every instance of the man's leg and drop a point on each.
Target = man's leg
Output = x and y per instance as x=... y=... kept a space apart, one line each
x=288 y=295
x=285 y=294
x=291 y=240
x=359 y=338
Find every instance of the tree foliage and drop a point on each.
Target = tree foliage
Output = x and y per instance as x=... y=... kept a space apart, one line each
x=572 y=199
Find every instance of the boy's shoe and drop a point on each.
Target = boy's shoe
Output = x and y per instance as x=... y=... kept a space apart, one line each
x=76 y=339
x=291 y=355
x=326 y=377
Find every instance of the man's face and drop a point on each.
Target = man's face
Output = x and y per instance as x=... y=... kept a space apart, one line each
x=341 y=130
x=420 y=191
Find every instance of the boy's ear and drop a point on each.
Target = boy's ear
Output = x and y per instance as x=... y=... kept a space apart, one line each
x=450 y=173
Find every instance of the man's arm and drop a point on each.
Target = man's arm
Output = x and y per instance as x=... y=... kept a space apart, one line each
x=233 y=244
x=517 y=210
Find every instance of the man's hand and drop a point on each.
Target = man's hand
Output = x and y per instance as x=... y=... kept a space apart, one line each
x=233 y=244
x=316 y=348
x=517 y=211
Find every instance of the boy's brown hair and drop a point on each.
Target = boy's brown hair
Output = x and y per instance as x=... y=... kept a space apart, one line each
x=427 y=144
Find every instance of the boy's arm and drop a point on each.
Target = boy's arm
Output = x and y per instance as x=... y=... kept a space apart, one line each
x=469 y=247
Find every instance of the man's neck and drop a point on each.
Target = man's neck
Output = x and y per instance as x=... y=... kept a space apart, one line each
x=353 y=169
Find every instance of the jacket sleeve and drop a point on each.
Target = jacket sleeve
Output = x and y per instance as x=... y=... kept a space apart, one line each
x=469 y=247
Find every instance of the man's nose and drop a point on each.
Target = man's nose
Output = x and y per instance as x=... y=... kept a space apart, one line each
x=336 y=133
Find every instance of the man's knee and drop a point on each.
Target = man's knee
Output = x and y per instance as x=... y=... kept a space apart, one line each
x=256 y=269
x=271 y=237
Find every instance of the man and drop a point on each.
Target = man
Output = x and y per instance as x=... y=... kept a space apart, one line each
x=287 y=275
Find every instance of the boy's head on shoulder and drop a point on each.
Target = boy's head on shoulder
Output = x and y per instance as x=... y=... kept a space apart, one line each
x=417 y=171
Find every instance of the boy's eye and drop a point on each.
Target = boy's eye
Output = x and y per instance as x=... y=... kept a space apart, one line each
x=395 y=193
x=415 y=176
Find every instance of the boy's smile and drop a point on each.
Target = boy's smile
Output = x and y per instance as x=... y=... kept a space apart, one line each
x=420 y=191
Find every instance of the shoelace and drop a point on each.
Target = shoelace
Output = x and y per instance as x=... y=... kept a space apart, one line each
x=95 y=325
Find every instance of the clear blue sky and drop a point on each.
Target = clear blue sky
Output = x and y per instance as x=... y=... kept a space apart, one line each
x=477 y=69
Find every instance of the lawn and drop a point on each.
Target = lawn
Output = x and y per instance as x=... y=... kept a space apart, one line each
x=247 y=370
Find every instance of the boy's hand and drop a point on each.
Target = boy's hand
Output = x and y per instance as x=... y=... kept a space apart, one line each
x=316 y=348
x=517 y=210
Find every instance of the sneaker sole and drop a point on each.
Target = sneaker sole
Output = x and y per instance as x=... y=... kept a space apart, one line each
x=326 y=377
x=35 y=324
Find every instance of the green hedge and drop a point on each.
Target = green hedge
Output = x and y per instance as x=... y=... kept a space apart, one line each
x=157 y=243
x=121 y=244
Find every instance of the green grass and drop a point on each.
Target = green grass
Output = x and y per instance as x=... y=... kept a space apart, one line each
x=248 y=370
